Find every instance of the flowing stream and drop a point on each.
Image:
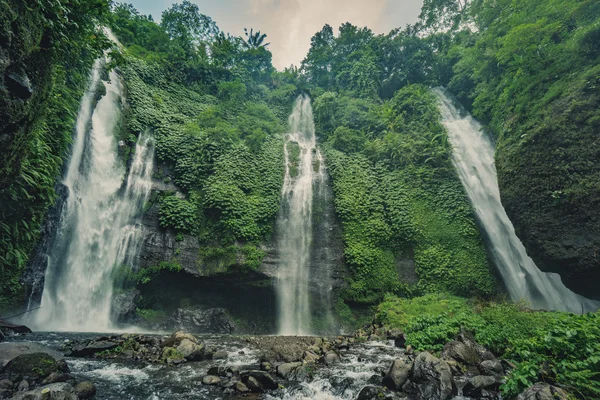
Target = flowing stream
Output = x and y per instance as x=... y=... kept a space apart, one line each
x=99 y=227
x=294 y=224
x=473 y=156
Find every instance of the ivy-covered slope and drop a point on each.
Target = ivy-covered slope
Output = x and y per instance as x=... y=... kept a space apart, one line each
x=408 y=225
x=531 y=72
x=46 y=51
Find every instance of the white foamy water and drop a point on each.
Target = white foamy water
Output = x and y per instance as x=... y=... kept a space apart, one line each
x=473 y=156
x=99 y=228
x=294 y=224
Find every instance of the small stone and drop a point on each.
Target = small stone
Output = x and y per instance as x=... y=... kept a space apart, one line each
x=211 y=380
x=240 y=387
x=253 y=385
x=56 y=377
x=85 y=390
x=23 y=386
x=6 y=384
x=220 y=355
x=266 y=366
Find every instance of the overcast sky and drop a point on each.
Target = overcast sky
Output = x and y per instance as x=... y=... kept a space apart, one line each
x=289 y=24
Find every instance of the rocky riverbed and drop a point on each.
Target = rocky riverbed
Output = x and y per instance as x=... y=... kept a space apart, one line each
x=372 y=364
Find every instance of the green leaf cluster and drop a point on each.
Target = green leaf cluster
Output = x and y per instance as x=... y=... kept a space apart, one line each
x=554 y=347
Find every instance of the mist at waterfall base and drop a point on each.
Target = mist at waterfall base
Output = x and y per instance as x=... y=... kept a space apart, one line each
x=305 y=178
x=98 y=230
x=473 y=157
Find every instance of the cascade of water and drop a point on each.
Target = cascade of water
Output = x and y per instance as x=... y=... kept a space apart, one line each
x=98 y=229
x=295 y=223
x=473 y=157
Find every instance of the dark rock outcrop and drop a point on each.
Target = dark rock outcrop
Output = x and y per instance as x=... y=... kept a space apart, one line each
x=397 y=375
x=543 y=391
x=9 y=351
x=214 y=320
x=430 y=378
x=124 y=305
x=33 y=367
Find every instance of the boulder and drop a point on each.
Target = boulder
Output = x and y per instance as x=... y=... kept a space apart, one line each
x=1 y=336
x=6 y=388
x=331 y=358
x=9 y=351
x=468 y=338
x=170 y=355
x=491 y=367
x=288 y=370
x=190 y=350
x=477 y=384
x=211 y=380
x=310 y=357
x=93 y=347
x=35 y=367
x=19 y=85
x=264 y=379
x=543 y=391
x=371 y=393
x=217 y=371
x=461 y=352
x=397 y=375
x=214 y=320
x=430 y=378
x=55 y=391
x=85 y=390
x=176 y=338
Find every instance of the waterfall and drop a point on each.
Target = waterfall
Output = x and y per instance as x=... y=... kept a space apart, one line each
x=99 y=228
x=295 y=224
x=473 y=156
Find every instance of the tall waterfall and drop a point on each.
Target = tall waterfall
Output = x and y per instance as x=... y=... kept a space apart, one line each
x=473 y=158
x=295 y=225
x=99 y=227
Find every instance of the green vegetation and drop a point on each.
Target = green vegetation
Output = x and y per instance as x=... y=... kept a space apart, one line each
x=216 y=108
x=54 y=42
x=531 y=72
x=398 y=197
x=552 y=347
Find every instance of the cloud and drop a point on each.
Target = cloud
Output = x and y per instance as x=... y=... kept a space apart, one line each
x=290 y=24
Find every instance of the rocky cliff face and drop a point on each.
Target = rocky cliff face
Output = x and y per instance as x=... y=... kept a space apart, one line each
x=550 y=186
x=248 y=296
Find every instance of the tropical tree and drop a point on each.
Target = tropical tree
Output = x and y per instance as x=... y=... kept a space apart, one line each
x=254 y=40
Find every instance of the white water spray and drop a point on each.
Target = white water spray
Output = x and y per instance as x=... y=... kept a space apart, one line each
x=98 y=229
x=473 y=157
x=302 y=171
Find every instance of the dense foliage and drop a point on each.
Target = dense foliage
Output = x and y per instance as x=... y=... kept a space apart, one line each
x=530 y=70
x=553 y=347
x=217 y=111
x=396 y=191
x=52 y=44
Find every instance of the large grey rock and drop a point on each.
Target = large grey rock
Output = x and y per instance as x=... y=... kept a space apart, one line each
x=430 y=378
x=11 y=350
x=477 y=384
x=397 y=375
x=1 y=336
x=543 y=391
x=55 y=391
x=288 y=370
x=461 y=352
x=34 y=367
x=176 y=338
x=191 y=351
x=468 y=338
x=97 y=346
x=213 y=320
x=491 y=367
